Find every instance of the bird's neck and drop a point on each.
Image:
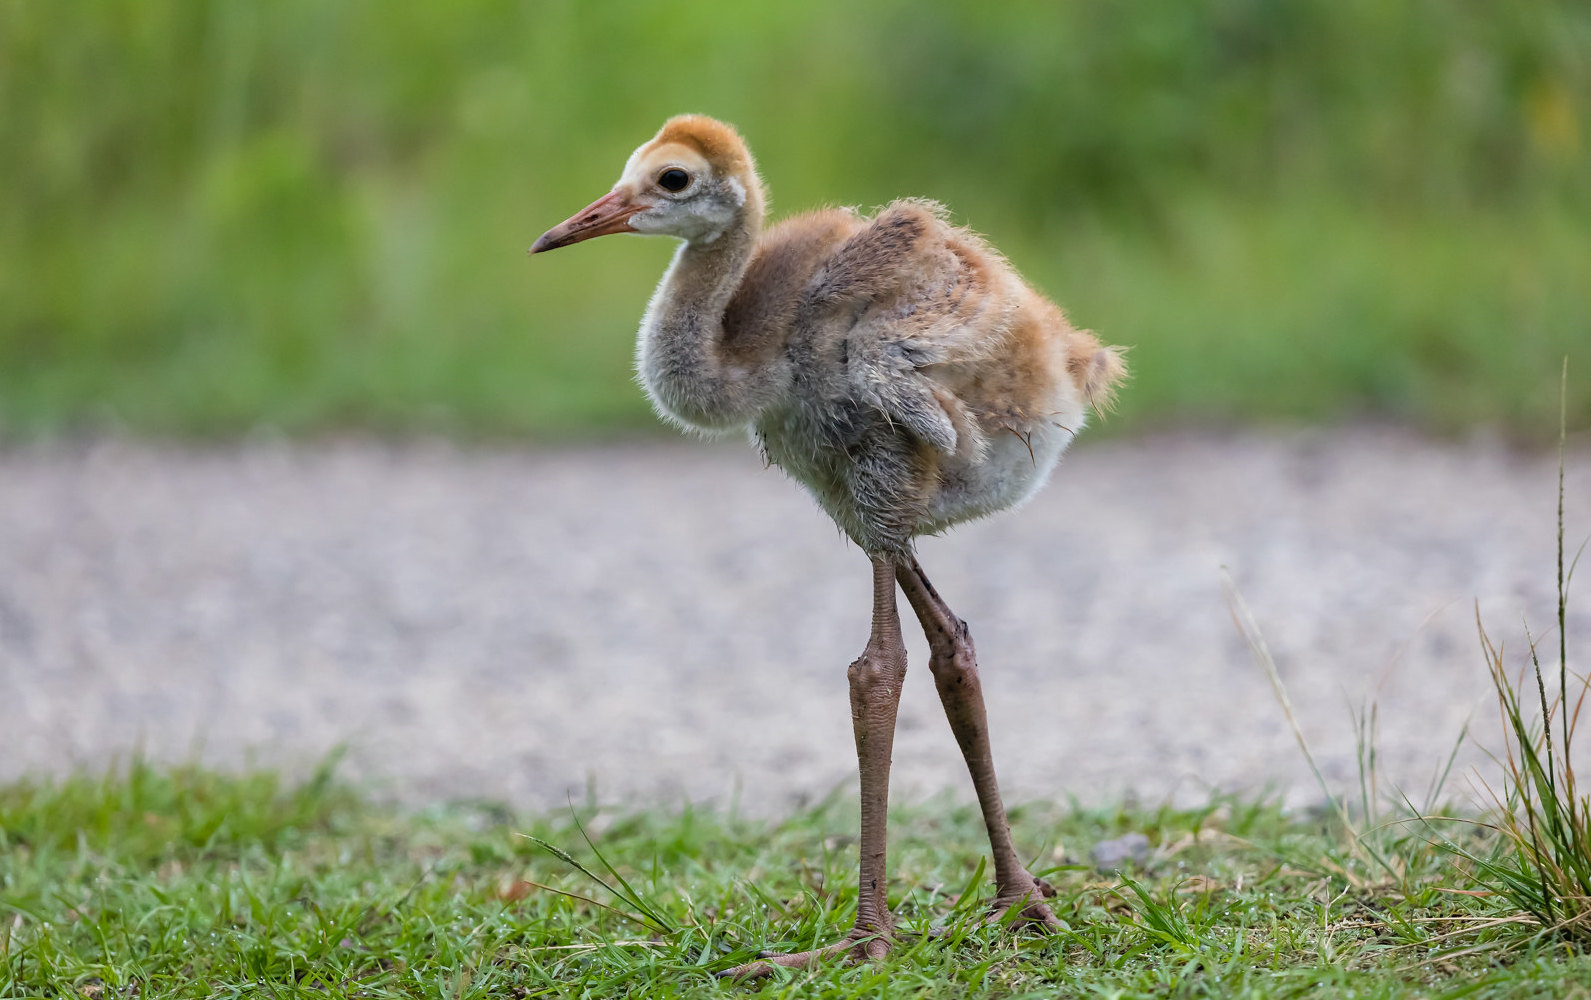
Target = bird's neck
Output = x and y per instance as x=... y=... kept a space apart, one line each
x=681 y=354
x=704 y=277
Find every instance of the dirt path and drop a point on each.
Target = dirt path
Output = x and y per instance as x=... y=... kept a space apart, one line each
x=669 y=619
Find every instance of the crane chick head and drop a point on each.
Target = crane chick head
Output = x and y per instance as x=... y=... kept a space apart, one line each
x=693 y=180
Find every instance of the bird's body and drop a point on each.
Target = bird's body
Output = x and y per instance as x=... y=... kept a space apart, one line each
x=896 y=366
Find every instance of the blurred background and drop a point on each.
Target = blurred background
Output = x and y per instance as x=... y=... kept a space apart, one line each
x=1344 y=234
x=220 y=217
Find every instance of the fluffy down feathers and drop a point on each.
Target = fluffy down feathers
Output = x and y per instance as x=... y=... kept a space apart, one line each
x=896 y=366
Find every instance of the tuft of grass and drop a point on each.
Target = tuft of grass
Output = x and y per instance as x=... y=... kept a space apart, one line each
x=1543 y=867
x=650 y=918
x=188 y=883
x=1543 y=863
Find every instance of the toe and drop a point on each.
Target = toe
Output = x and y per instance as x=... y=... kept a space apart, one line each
x=853 y=948
x=751 y=970
x=1040 y=914
x=1030 y=913
x=769 y=960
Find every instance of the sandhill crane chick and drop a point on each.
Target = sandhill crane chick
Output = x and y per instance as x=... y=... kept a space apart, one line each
x=899 y=369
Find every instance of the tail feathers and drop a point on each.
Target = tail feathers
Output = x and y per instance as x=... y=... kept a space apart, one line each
x=1099 y=371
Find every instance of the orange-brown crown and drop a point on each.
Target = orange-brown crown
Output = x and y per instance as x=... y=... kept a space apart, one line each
x=719 y=143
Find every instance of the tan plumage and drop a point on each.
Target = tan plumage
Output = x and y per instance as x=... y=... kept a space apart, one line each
x=896 y=366
x=916 y=342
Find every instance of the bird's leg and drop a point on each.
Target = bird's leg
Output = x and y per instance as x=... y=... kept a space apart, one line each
x=954 y=664
x=875 y=679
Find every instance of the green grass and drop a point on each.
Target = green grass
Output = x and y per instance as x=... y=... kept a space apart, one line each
x=1544 y=868
x=155 y=882
x=303 y=216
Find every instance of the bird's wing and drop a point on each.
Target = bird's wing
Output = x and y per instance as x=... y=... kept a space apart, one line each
x=914 y=292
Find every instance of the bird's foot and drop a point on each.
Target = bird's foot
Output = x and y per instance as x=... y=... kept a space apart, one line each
x=860 y=945
x=1025 y=900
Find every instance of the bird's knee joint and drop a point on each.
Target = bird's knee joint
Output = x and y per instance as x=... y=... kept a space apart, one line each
x=874 y=668
x=953 y=650
x=953 y=671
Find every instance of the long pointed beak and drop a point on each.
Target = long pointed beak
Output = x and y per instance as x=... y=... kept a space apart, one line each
x=608 y=214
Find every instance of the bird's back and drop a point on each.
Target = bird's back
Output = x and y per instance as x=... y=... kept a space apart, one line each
x=926 y=383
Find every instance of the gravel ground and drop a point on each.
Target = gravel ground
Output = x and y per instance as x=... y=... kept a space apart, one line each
x=661 y=620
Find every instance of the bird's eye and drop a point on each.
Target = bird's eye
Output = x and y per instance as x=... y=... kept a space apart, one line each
x=673 y=179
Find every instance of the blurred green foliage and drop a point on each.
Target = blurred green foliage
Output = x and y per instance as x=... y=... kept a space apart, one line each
x=216 y=216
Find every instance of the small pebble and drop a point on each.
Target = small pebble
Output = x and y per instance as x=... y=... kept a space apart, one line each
x=1110 y=854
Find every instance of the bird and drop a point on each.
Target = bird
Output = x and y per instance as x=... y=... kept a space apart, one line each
x=901 y=370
